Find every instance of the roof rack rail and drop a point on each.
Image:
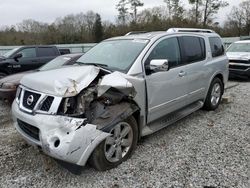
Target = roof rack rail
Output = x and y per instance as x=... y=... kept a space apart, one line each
x=173 y=30
x=135 y=32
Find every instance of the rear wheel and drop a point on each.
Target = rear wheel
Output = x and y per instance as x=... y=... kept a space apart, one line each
x=214 y=95
x=2 y=75
x=116 y=148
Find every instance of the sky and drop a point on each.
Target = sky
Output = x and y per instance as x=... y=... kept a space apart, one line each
x=14 y=11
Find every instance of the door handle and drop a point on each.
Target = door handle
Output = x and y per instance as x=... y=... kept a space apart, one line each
x=182 y=73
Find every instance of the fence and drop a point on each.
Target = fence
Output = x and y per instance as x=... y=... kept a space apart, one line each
x=74 y=48
x=78 y=48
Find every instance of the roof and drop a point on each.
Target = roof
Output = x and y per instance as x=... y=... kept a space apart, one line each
x=150 y=35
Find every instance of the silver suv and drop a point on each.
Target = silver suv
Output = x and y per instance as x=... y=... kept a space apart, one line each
x=122 y=89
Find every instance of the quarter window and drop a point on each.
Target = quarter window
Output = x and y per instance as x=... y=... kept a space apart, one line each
x=217 y=47
x=193 y=49
x=166 y=49
x=28 y=52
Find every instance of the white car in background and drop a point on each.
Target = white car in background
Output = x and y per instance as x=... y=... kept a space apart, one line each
x=239 y=59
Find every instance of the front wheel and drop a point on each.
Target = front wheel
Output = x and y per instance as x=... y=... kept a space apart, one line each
x=116 y=148
x=214 y=95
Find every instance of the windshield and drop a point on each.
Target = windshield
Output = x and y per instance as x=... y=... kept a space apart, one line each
x=115 y=54
x=55 y=63
x=239 y=47
x=10 y=52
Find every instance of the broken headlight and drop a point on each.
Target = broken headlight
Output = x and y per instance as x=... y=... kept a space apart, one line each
x=76 y=106
x=68 y=106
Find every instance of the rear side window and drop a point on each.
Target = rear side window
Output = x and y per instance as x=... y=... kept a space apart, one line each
x=46 y=51
x=193 y=49
x=217 y=47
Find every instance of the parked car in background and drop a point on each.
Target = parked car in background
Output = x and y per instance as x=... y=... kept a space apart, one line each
x=64 y=51
x=239 y=59
x=124 y=88
x=26 y=58
x=8 y=84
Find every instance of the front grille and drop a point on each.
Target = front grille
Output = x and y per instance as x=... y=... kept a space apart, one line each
x=240 y=61
x=47 y=103
x=240 y=67
x=29 y=129
x=30 y=99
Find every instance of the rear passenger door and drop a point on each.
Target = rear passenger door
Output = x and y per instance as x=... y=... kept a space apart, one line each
x=193 y=50
x=46 y=54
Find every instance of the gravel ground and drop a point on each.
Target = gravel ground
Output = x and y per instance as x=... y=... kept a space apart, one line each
x=206 y=149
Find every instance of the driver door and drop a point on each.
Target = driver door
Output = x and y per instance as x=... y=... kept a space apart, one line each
x=166 y=91
x=28 y=61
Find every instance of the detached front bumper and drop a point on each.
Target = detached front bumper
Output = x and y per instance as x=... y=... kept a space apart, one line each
x=64 y=138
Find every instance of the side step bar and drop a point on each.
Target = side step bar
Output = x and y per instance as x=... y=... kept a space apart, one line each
x=171 y=118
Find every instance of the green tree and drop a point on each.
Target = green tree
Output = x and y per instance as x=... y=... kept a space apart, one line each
x=210 y=8
x=98 y=29
x=175 y=9
x=123 y=11
x=134 y=7
x=197 y=4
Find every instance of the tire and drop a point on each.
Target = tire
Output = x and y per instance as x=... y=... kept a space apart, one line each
x=2 y=75
x=104 y=157
x=214 y=95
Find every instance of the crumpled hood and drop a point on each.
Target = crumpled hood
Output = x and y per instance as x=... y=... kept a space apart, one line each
x=62 y=82
x=238 y=55
x=15 y=78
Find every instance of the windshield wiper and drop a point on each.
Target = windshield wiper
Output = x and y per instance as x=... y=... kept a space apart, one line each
x=96 y=64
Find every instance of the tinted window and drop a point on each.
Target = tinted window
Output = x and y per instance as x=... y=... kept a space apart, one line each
x=46 y=51
x=193 y=49
x=217 y=47
x=166 y=49
x=28 y=52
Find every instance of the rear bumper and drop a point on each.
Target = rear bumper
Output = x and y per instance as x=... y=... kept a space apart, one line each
x=64 y=138
x=8 y=94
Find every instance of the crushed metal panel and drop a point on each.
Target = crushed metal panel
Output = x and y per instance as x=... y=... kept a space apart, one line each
x=116 y=80
x=75 y=140
x=69 y=87
x=62 y=82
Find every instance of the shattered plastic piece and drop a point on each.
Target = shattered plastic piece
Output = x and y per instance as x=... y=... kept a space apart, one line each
x=116 y=80
x=69 y=81
x=69 y=87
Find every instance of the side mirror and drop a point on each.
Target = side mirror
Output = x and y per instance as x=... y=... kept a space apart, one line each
x=18 y=56
x=159 y=65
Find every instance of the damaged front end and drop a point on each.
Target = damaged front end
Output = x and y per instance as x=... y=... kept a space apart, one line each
x=80 y=115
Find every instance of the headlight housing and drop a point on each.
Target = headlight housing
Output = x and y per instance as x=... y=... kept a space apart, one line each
x=68 y=106
x=18 y=94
